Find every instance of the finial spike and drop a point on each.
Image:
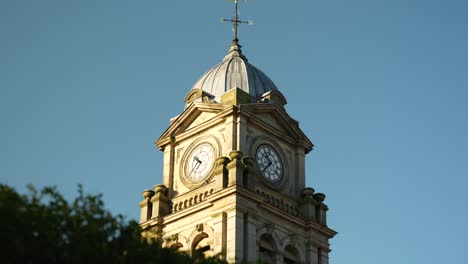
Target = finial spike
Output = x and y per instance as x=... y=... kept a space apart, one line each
x=236 y=20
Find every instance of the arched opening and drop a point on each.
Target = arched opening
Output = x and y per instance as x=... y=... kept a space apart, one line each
x=177 y=246
x=291 y=255
x=267 y=249
x=201 y=246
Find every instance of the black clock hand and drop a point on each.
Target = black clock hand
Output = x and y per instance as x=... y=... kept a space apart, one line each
x=199 y=162
x=269 y=164
x=195 y=166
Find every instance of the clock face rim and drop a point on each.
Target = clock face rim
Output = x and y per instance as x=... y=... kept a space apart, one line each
x=192 y=161
x=265 y=164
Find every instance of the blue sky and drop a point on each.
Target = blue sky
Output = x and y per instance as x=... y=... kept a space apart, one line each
x=380 y=87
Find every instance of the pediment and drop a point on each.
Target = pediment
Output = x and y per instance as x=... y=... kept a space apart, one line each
x=194 y=116
x=202 y=118
x=272 y=119
x=276 y=119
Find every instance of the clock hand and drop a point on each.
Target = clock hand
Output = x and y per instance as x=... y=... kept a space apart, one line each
x=195 y=166
x=199 y=162
x=267 y=166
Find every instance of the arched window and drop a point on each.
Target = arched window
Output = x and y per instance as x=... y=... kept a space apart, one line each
x=291 y=255
x=267 y=249
x=200 y=245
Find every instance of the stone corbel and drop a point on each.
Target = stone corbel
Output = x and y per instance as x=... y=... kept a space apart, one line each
x=199 y=227
x=270 y=228
x=171 y=240
x=293 y=240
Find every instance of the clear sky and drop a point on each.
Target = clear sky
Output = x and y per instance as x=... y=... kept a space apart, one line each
x=380 y=87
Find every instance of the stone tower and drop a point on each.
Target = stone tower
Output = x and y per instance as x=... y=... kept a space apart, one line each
x=234 y=174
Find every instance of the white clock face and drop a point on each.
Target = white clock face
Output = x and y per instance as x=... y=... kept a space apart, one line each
x=269 y=163
x=199 y=162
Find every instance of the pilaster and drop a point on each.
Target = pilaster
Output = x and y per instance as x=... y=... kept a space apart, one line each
x=230 y=143
x=312 y=255
x=300 y=169
x=323 y=256
x=235 y=238
x=235 y=168
x=250 y=239
x=250 y=173
x=221 y=173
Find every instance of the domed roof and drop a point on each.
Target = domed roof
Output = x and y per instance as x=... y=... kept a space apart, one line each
x=235 y=72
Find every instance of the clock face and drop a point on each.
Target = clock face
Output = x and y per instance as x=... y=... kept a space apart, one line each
x=199 y=162
x=269 y=163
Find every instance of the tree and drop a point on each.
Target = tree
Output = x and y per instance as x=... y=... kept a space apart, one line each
x=42 y=227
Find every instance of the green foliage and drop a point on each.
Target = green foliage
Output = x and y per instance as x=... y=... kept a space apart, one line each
x=42 y=227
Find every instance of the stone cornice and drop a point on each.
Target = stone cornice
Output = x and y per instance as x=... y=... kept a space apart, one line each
x=280 y=213
x=201 y=206
x=246 y=194
x=223 y=110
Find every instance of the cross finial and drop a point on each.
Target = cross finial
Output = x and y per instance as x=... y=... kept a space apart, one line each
x=236 y=20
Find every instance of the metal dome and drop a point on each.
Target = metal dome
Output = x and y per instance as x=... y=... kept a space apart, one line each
x=235 y=72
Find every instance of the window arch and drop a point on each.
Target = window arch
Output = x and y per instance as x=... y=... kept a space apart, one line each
x=201 y=245
x=267 y=249
x=291 y=255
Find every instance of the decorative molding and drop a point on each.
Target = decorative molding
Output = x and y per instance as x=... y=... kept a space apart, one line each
x=179 y=151
x=264 y=140
x=194 y=199
x=269 y=229
x=215 y=143
x=286 y=205
x=296 y=242
x=207 y=232
x=221 y=132
x=174 y=237
x=176 y=128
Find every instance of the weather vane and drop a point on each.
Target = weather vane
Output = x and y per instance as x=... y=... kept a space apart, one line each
x=236 y=20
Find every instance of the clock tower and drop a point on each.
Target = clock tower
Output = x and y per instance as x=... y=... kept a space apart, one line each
x=234 y=174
